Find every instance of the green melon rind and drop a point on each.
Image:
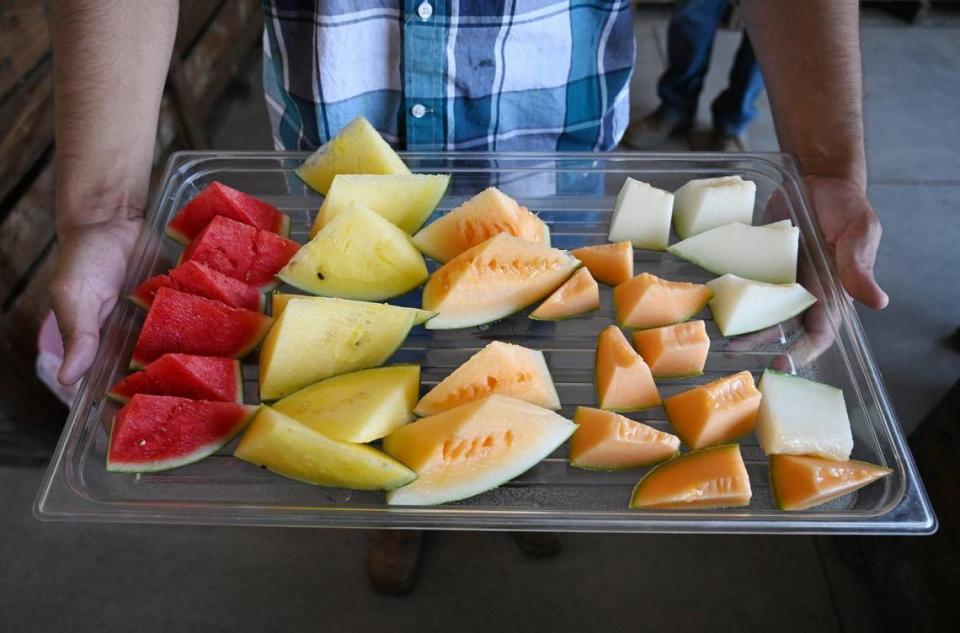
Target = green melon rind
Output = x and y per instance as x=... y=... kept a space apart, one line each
x=656 y=468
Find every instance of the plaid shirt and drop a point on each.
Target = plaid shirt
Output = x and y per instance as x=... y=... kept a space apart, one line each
x=533 y=75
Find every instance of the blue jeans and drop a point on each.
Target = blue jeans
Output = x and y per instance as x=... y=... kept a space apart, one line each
x=689 y=43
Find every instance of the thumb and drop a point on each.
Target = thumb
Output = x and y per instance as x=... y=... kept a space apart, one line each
x=78 y=317
x=855 y=255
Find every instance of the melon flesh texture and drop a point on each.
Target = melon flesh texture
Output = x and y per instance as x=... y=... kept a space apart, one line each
x=610 y=264
x=646 y=301
x=715 y=413
x=219 y=199
x=802 y=482
x=624 y=382
x=242 y=252
x=196 y=279
x=501 y=368
x=609 y=441
x=152 y=433
x=361 y=406
x=278 y=301
x=289 y=448
x=741 y=305
x=187 y=376
x=577 y=295
x=675 y=350
x=761 y=253
x=358 y=255
x=710 y=478
x=356 y=149
x=186 y=324
x=706 y=203
x=473 y=448
x=406 y=201
x=642 y=215
x=802 y=417
x=493 y=280
x=318 y=337
x=488 y=213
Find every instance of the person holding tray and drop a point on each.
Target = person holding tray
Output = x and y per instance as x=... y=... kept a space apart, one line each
x=430 y=75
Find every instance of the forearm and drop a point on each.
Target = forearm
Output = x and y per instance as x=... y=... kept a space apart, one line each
x=809 y=53
x=110 y=65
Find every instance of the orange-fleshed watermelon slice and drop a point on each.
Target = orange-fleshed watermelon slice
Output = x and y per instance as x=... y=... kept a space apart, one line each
x=605 y=440
x=196 y=279
x=219 y=199
x=624 y=382
x=800 y=481
x=646 y=301
x=578 y=295
x=715 y=413
x=711 y=478
x=243 y=252
x=186 y=324
x=152 y=433
x=610 y=264
x=187 y=376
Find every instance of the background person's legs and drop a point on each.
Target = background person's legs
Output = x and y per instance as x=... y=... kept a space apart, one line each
x=735 y=107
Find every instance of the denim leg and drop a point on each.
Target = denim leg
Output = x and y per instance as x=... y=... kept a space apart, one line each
x=735 y=107
x=693 y=25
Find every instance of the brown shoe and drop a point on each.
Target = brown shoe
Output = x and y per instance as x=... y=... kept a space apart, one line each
x=393 y=558
x=654 y=130
x=722 y=142
x=538 y=544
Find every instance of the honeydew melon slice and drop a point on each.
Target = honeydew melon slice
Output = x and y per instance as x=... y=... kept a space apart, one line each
x=762 y=253
x=741 y=305
x=473 y=448
x=641 y=215
x=707 y=203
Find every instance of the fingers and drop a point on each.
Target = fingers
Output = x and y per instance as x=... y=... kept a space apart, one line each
x=855 y=256
x=78 y=316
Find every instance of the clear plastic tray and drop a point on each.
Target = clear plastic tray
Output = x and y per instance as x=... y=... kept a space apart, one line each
x=574 y=194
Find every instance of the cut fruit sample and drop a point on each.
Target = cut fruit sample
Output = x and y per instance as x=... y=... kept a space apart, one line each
x=406 y=201
x=502 y=368
x=712 y=478
x=646 y=301
x=715 y=413
x=801 y=482
x=196 y=279
x=642 y=216
x=802 y=417
x=358 y=407
x=741 y=305
x=608 y=441
x=761 y=253
x=357 y=255
x=187 y=376
x=218 y=199
x=317 y=337
x=242 y=252
x=610 y=264
x=356 y=149
x=278 y=301
x=577 y=295
x=289 y=448
x=152 y=433
x=707 y=203
x=186 y=324
x=675 y=350
x=488 y=213
x=493 y=280
x=624 y=382
x=473 y=448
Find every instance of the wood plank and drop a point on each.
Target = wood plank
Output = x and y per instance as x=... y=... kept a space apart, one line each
x=24 y=39
x=26 y=125
x=20 y=323
x=26 y=231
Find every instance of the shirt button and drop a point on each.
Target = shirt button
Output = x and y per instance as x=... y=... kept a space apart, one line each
x=425 y=10
x=418 y=110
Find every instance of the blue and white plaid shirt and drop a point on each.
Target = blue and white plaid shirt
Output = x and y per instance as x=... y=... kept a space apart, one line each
x=485 y=75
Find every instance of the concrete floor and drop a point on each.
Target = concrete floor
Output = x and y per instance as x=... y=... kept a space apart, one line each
x=57 y=577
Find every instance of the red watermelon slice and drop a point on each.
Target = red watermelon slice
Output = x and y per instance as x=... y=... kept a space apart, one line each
x=186 y=324
x=196 y=279
x=185 y=375
x=219 y=199
x=152 y=433
x=242 y=252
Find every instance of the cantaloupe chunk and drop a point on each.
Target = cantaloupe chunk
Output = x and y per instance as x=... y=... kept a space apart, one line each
x=706 y=203
x=800 y=481
x=503 y=368
x=711 y=478
x=624 y=382
x=646 y=301
x=605 y=440
x=478 y=219
x=357 y=149
x=577 y=295
x=610 y=264
x=715 y=413
x=674 y=350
